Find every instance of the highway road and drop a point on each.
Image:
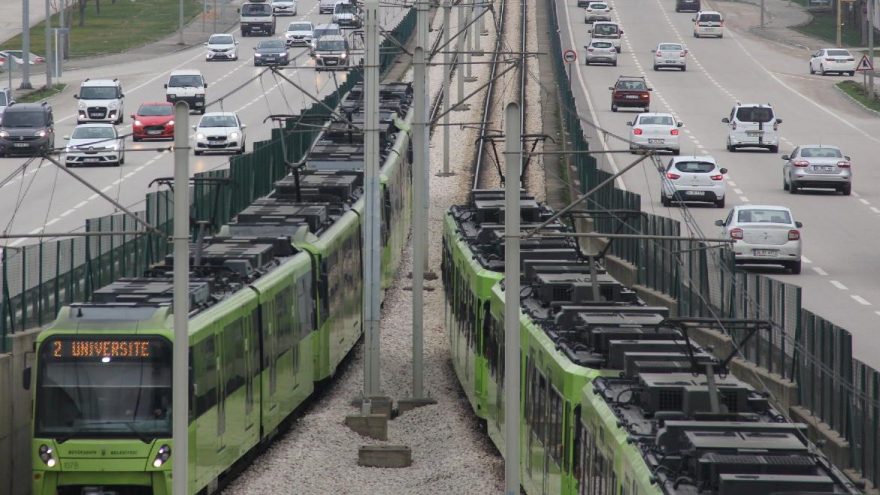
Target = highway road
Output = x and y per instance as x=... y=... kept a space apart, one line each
x=840 y=274
x=51 y=201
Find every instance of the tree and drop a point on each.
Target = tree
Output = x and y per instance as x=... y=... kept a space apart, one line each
x=82 y=12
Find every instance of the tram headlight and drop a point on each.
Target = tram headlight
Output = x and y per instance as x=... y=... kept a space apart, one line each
x=162 y=456
x=46 y=456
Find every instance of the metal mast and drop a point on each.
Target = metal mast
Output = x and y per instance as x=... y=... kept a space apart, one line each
x=512 y=160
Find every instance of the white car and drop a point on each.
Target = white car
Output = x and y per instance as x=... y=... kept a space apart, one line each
x=600 y=51
x=299 y=33
x=670 y=55
x=6 y=99
x=284 y=7
x=708 y=23
x=597 y=11
x=94 y=144
x=221 y=47
x=764 y=235
x=693 y=178
x=752 y=125
x=656 y=131
x=220 y=131
x=833 y=60
x=100 y=100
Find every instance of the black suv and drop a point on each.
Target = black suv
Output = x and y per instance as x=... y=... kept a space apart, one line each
x=687 y=5
x=27 y=129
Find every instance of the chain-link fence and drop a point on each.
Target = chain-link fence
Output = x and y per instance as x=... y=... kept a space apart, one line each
x=702 y=277
x=39 y=279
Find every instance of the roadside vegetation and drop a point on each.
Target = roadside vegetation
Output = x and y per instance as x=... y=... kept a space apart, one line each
x=40 y=94
x=857 y=91
x=100 y=27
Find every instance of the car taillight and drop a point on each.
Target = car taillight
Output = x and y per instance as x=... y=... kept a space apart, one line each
x=800 y=163
x=674 y=132
x=736 y=233
x=733 y=125
x=590 y=50
x=716 y=177
x=684 y=53
x=644 y=95
x=850 y=59
x=658 y=55
x=775 y=126
x=843 y=164
x=793 y=235
x=672 y=176
x=637 y=131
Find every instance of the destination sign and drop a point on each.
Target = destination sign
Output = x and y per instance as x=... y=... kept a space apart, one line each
x=116 y=348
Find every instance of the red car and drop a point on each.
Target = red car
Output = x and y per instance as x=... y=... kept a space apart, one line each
x=630 y=91
x=154 y=120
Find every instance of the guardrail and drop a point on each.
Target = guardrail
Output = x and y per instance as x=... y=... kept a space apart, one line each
x=39 y=279
x=802 y=347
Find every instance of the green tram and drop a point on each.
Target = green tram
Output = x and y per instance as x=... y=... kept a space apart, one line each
x=276 y=302
x=616 y=400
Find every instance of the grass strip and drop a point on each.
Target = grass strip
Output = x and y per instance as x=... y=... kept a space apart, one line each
x=823 y=26
x=857 y=91
x=40 y=94
x=120 y=26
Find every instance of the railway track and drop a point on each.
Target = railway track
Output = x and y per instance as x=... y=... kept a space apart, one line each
x=510 y=47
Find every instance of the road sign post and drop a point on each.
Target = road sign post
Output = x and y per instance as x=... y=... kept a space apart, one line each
x=866 y=66
x=570 y=57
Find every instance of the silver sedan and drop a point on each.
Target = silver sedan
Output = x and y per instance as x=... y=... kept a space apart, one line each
x=819 y=166
x=597 y=11
x=600 y=52
x=765 y=235
x=670 y=55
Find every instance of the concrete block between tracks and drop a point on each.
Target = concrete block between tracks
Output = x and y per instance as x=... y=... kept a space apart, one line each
x=371 y=425
x=385 y=456
x=404 y=405
x=378 y=405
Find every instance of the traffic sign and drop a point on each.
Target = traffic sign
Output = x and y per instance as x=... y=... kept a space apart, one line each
x=570 y=56
x=865 y=64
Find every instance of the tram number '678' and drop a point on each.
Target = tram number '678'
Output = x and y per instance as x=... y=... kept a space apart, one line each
x=70 y=465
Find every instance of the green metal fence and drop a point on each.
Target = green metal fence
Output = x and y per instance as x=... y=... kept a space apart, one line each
x=801 y=346
x=38 y=279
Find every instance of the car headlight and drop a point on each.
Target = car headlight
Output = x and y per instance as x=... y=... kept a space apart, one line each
x=40 y=133
x=46 y=456
x=162 y=456
x=172 y=95
x=258 y=54
x=200 y=135
x=82 y=105
x=113 y=105
x=343 y=55
x=170 y=122
x=4 y=134
x=233 y=135
x=138 y=123
x=317 y=55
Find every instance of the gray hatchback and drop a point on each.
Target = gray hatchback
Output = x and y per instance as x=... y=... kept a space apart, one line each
x=817 y=166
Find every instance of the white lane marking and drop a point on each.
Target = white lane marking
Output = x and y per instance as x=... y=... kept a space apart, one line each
x=732 y=183
x=877 y=313
x=874 y=209
x=16 y=242
x=583 y=85
x=859 y=299
x=36 y=230
x=838 y=285
x=82 y=203
x=93 y=196
x=106 y=188
x=805 y=259
x=864 y=201
x=856 y=194
x=744 y=199
x=737 y=190
x=50 y=222
x=820 y=271
x=68 y=212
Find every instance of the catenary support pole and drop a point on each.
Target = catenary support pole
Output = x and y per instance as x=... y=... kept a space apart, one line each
x=447 y=66
x=512 y=160
x=762 y=14
x=839 y=22
x=470 y=42
x=25 y=46
x=460 y=48
x=871 y=8
x=419 y=211
x=371 y=190
x=180 y=368
x=47 y=30
x=424 y=37
x=180 y=24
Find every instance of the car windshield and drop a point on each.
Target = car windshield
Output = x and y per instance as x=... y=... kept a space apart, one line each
x=710 y=17
x=695 y=167
x=221 y=39
x=821 y=153
x=326 y=31
x=114 y=386
x=218 y=121
x=97 y=93
x=344 y=8
x=656 y=120
x=185 y=81
x=3 y=101
x=93 y=133
x=838 y=53
x=331 y=45
x=271 y=45
x=631 y=85
x=602 y=44
x=763 y=216
x=754 y=114
x=22 y=119
x=598 y=6
x=155 y=110
x=605 y=29
x=669 y=47
x=299 y=26
x=256 y=9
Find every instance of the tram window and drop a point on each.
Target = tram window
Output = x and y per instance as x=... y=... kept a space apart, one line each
x=233 y=356
x=205 y=366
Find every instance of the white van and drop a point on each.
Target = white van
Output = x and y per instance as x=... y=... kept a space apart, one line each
x=708 y=23
x=326 y=6
x=188 y=86
x=608 y=31
x=752 y=125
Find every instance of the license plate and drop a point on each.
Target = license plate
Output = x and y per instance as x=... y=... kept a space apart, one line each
x=199 y=103
x=632 y=97
x=153 y=133
x=96 y=115
x=754 y=133
x=827 y=169
x=20 y=145
x=655 y=141
x=693 y=193
x=764 y=252
x=670 y=61
x=91 y=160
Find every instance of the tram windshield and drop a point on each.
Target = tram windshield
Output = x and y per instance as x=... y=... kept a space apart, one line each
x=107 y=386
